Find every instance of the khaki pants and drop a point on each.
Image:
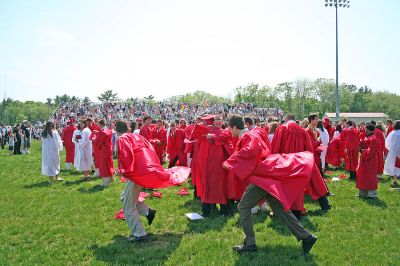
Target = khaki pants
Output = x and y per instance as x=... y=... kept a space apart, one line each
x=251 y=197
x=133 y=208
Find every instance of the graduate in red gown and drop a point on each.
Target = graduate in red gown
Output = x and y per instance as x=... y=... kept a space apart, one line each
x=279 y=179
x=313 y=134
x=328 y=126
x=380 y=137
x=351 y=148
x=145 y=130
x=176 y=146
x=193 y=147
x=138 y=162
x=291 y=138
x=343 y=134
x=94 y=128
x=367 y=170
x=102 y=142
x=66 y=137
x=333 y=154
x=361 y=130
x=159 y=139
x=214 y=150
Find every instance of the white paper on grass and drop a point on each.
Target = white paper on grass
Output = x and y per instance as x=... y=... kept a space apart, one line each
x=194 y=216
x=336 y=179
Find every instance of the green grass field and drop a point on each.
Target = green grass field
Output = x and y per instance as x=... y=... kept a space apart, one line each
x=72 y=223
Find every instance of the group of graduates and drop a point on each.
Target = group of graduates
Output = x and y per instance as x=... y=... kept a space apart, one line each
x=234 y=162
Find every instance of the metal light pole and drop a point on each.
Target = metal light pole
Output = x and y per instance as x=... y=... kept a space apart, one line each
x=336 y=4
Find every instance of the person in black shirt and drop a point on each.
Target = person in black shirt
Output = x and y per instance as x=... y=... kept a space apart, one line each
x=18 y=139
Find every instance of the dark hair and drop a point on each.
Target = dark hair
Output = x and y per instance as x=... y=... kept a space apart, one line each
x=146 y=117
x=339 y=128
x=121 y=126
x=85 y=122
x=290 y=116
x=320 y=126
x=396 y=125
x=389 y=121
x=311 y=117
x=272 y=127
x=350 y=123
x=48 y=129
x=249 y=120
x=102 y=123
x=133 y=125
x=373 y=122
x=236 y=121
x=370 y=126
x=89 y=119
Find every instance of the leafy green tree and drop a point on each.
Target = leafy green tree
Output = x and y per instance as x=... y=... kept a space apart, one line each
x=108 y=96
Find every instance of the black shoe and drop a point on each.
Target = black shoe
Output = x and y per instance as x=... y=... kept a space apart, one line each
x=327 y=208
x=245 y=248
x=308 y=243
x=324 y=204
x=150 y=216
x=297 y=214
x=138 y=238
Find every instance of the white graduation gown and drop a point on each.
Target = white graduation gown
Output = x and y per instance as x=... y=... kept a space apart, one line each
x=76 y=142
x=392 y=143
x=85 y=160
x=51 y=147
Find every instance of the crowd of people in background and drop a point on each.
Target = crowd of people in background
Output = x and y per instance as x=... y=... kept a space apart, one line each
x=227 y=159
x=18 y=138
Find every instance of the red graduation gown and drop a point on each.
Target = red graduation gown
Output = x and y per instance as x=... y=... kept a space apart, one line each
x=333 y=153
x=176 y=146
x=103 y=156
x=145 y=131
x=284 y=176
x=93 y=128
x=351 y=144
x=380 y=137
x=138 y=162
x=66 y=137
x=343 y=143
x=161 y=135
x=367 y=169
x=214 y=151
x=291 y=138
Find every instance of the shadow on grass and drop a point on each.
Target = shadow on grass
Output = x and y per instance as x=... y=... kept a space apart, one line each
x=277 y=255
x=154 y=251
x=38 y=185
x=94 y=189
x=377 y=202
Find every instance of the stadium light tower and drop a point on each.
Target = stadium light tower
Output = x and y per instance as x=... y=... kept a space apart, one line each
x=337 y=4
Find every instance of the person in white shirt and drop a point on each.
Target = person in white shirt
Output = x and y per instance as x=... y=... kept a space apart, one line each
x=392 y=144
x=51 y=147
x=324 y=138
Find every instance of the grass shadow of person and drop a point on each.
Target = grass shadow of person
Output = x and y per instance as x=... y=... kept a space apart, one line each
x=38 y=185
x=277 y=255
x=94 y=189
x=153 y=251
x=377 y=202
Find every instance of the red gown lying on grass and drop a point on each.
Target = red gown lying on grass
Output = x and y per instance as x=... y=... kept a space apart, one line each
x=138 y=162
x=284 y=176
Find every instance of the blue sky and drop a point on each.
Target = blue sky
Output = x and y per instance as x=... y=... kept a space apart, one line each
x=165 y=48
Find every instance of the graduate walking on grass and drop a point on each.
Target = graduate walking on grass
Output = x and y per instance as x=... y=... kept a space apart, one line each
x=66 y=137
x=139 y=164
x=367 y=179
x=102 y=142
x=51 y=147
x=278 y=178
x=84 y=161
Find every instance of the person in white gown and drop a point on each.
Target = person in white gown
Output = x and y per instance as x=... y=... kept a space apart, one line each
x=84 y=160
x=76 y=135
x=392 y=144
x=51 y=147
x=324 y=138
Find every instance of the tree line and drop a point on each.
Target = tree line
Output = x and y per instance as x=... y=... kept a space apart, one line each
x=300 y=97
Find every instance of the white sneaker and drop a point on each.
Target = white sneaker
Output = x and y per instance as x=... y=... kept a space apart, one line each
x=60 y=178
